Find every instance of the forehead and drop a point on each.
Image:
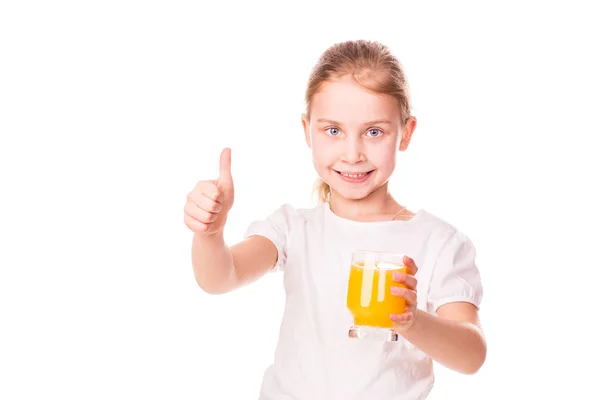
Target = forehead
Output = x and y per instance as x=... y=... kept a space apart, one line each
x=344 y=100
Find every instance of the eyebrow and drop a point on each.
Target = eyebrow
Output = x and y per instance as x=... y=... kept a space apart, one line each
x=376 y=122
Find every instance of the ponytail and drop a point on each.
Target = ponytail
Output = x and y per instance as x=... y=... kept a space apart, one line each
x=323 y=191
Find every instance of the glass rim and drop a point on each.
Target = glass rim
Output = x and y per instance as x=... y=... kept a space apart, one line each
x=377 y=256
x=378 y=252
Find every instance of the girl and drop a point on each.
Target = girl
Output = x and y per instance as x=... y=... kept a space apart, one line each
x=357 y=119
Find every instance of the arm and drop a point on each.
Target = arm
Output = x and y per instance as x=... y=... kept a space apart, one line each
x=220 y=269
x=453 y=337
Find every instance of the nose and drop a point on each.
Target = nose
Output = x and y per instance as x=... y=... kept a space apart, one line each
x=353 y=151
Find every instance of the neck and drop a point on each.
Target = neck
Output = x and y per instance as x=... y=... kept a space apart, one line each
x=377 y=206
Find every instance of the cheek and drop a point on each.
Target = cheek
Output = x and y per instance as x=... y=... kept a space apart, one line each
x=383 y=157
x=322 y=152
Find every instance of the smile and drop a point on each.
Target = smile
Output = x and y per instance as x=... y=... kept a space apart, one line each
x=354 y=177
x=359 y=175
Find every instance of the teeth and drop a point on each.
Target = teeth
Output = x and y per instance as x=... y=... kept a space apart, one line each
x=355 y=176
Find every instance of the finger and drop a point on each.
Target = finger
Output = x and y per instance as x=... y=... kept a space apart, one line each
x=225 y=178
x=199 y=214
x=408 y=280
x=409 y=295
x=207 y=204
x=216 y=196
x=411 y=267
x=194 y=225
x=402 y=318
x=207 y=189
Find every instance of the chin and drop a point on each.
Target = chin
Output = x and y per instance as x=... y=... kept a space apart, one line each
x=352 y=194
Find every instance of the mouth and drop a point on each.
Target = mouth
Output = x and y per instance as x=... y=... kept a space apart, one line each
x=354 y=177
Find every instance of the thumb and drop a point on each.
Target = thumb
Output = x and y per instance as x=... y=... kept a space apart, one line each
x=225 y=179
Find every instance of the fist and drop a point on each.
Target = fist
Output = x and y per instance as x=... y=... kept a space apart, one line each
x=206 y=209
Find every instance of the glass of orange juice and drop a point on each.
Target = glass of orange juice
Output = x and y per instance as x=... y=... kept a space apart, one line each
x=370 y=299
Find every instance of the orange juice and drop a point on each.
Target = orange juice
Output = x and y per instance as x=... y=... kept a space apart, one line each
x=370 y=299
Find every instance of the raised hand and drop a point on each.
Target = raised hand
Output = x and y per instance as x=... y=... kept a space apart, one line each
x=207 y=206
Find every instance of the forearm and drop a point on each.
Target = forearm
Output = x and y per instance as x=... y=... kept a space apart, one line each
x=213 y=264
x=457 y=345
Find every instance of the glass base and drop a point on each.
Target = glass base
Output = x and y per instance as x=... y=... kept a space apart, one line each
x=372 y=333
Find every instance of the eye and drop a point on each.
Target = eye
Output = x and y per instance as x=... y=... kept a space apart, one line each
x=333 y=131
x=374 y=132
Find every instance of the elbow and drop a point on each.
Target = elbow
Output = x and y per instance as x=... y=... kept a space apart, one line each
x=476 y=361
x=211 y=288
x=472 y=369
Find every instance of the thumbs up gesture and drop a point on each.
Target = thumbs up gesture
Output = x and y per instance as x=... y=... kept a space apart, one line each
x=207 y=206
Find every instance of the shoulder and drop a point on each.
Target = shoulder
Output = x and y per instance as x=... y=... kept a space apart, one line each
x=300 y=213
x=455 y=272
x=441 y=230
x=281 y=224
x=454 y=251
x=291 y=216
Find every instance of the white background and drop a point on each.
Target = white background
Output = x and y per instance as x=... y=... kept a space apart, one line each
x=111 y=111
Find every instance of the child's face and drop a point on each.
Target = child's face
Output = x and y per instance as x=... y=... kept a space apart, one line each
x=354 y=135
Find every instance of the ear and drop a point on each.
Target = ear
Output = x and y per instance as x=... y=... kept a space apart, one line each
x=407 y=132
x=306 y=127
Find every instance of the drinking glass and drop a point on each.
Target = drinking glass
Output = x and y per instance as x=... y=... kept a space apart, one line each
x=369 y=297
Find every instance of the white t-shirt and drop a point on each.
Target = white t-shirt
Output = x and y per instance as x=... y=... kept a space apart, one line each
x=315 y=359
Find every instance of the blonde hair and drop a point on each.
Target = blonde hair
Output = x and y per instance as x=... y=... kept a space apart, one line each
x=372 y=66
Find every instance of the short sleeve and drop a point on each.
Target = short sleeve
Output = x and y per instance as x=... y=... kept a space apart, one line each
x=456 y=276
x=275 y=228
